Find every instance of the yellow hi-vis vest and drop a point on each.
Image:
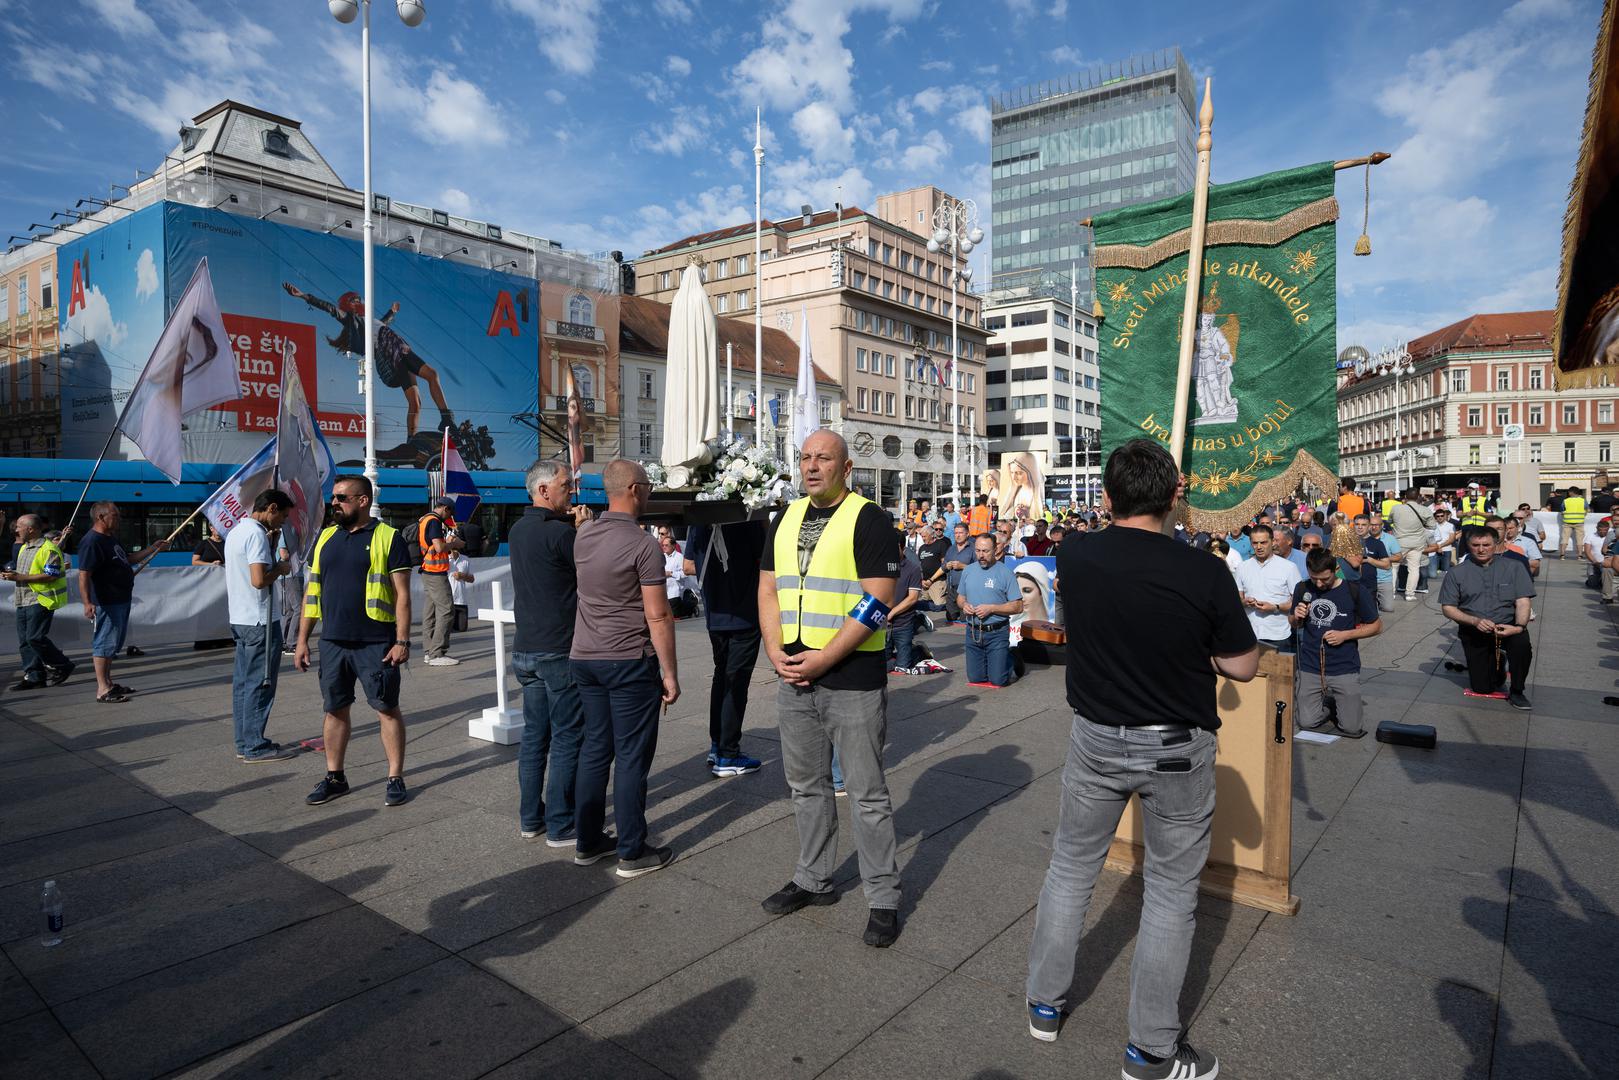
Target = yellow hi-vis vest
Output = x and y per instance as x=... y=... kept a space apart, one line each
x=1388 y=507
x=379 y=586
x=814 y=606
x=52 y=593
x=1472 y=509
x=1573 y=510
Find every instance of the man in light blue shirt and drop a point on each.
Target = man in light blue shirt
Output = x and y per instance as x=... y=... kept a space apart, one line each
x=1285 y=541
x=1385 y=571
x=1240 y=543
x=989 y=598
x=251 y=568
x=951 y=518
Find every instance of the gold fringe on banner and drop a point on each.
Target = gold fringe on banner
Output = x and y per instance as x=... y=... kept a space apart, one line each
x=1252 y=231
x=1305 y=467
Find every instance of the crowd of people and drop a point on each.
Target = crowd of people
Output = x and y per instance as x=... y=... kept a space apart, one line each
x=839 y=597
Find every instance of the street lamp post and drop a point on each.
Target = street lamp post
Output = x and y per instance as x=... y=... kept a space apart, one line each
x=1399 y=361
x=955 y=229
x=411 y=13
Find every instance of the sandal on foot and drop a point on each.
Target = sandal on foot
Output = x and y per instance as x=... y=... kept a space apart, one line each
x=112 y=697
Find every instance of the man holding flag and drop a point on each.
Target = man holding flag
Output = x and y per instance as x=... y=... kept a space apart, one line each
x=251 y=569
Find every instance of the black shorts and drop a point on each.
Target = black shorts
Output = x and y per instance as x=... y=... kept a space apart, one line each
x=341 y=663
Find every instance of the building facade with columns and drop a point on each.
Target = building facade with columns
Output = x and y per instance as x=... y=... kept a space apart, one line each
x=30 y=418
x=1466 y=385
x=878 y=308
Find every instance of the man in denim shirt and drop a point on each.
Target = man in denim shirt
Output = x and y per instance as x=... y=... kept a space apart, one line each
x=541 y=547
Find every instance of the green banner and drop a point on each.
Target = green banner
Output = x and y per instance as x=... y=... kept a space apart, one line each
x=1263 y=414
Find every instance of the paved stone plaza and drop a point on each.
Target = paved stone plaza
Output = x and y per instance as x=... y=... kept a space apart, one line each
x=1458 y=905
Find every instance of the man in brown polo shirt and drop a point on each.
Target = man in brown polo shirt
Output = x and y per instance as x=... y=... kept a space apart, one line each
x=623 y=661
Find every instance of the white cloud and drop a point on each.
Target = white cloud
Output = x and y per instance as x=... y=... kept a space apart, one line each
x=677 y=65
x=94 y=322
x=1058 y=9
x=568 y=30
x=930 y=100
x=460 y=112
x=803 y=180
x=673 y=10
x=822 y=133
x=1066 y=55
x=802 y=57
x=124 y=17
x=455 y=201
x=927 y=154
x=936 y=65
x=145 y=275
x=1533 y=290
x=682 y=130
x=555 y=96
x=974 y=120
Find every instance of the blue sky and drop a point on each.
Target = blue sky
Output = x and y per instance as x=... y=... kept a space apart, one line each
x=629 y=123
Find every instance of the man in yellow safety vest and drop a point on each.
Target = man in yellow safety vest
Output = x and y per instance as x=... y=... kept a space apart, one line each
x=1573 y=522
x=41 y=577
x=826 y=582
x=359 y=589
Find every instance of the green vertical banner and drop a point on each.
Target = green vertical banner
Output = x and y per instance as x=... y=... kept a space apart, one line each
x=1263 y=415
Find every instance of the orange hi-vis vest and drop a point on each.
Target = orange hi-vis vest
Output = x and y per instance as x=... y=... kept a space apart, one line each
x=431 y=563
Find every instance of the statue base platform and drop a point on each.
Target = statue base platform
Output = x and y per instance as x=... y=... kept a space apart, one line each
x=682 y=507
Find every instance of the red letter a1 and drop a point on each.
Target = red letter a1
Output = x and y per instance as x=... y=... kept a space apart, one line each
x=504 y=317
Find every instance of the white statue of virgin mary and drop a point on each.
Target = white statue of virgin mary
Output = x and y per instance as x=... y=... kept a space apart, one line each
x=691 y=412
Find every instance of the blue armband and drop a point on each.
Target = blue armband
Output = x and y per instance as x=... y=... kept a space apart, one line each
x=870 y=612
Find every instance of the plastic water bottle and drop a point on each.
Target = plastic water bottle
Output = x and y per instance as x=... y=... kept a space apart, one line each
x=50 y=905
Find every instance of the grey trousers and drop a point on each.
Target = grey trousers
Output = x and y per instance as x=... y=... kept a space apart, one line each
x=439 y=618
x=1105 y=766
x=1309 y=702
x=813 y=721
x=1385 y=595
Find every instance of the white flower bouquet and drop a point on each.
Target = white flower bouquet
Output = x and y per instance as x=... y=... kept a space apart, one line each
x=737 y=470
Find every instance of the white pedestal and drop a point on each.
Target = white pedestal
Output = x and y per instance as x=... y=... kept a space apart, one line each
x=502 y=724
x=503 y=727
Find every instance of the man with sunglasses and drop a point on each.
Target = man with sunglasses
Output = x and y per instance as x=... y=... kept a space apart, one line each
x=359 y=587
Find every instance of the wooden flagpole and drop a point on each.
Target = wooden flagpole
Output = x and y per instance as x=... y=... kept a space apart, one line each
x=1194 y=274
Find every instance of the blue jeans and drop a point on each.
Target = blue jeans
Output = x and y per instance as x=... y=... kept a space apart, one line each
x=34 y=642
x=1105 y=766
x=900 y=648
x=252 y=685
x=989 y=653
x=552 y=727
x=620 y=700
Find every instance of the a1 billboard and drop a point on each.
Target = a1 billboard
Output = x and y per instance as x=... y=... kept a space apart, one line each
x=454 y=345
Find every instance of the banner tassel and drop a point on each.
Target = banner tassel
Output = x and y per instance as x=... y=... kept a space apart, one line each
x=1363 y=243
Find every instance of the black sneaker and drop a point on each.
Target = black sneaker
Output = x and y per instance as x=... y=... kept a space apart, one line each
x=1519 y=702
x=1184 y=1064
x=650 y=859
x=882 y=929
x=790 y=897
x=327 y=790
x=395 y=795
x=1044 y=1021
x=607 y=845
x=56 y=676
x=28 y=684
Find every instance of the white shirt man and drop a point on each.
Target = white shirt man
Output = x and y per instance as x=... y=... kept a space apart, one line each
x=1266 y=583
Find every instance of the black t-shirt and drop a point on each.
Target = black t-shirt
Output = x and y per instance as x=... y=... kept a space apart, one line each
x=209 y=551
x=931 y=556
x=1160 y=610
x=1603 y=503
x=472 y=538
x=731 y=591
x=540 y=546
x=876 y=554
x=112 y=578
x=910 y=577
x=345 y=560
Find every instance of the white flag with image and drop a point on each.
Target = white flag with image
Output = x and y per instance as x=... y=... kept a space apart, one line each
x=192 y=367
x=806 y=409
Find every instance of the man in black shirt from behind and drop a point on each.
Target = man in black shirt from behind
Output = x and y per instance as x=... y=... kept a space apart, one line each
x=1143 y=695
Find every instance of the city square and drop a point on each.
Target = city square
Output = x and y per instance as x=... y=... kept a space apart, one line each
x=1103 y=565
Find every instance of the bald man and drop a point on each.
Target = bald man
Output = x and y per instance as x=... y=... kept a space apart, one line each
x=826 y=583
x=623 y=663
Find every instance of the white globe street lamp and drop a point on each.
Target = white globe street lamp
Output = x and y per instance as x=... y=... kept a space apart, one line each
x=411 y=13
x=955 y=229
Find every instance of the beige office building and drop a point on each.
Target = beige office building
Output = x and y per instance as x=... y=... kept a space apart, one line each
x=878 y=307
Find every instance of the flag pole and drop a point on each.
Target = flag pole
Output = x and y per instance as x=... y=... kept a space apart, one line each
x=1194 y=274
x=758 y=279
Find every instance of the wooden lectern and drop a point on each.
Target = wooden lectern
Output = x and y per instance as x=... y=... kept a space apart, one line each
x=1251 y=851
